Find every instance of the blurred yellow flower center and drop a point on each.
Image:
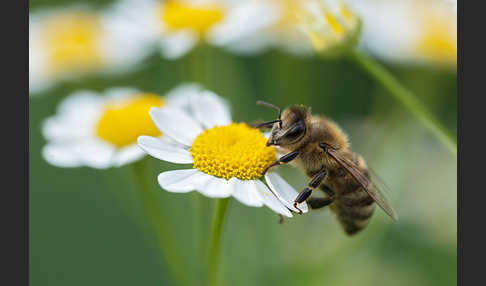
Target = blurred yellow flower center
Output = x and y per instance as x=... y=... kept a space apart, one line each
x=234 y=150
x=177 y=15
x=438 y=41
x=325 y=27
x=123 y=121
x=72 y=42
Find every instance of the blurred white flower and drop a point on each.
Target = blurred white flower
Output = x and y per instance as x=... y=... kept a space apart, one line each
x=301 y=27
x=178 y=26
x=331 y=26
x=227 y=158
x=101 y=131
x=66 y=43
x=410 y=31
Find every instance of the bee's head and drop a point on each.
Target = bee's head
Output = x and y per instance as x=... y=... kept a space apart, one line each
x=290 y=127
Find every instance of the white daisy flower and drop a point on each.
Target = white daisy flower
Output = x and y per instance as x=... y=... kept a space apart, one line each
x=330 y=25
x=301 y=27
x=101 y=131
x=227 y=158
x=410 y=31
x=66 y=43
x=178 y=26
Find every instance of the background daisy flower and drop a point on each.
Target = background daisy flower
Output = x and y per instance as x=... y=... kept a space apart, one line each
x=410 y=30
x=178 y=26
x=300 y=27
x=67 y=43
x=101 y=130
x=330 y=26
x=227 y=158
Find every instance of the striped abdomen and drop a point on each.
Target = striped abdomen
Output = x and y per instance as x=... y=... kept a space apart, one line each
x=353 y=209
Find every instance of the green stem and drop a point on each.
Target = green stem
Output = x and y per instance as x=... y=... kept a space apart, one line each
x=406 y=98
x=199 y=64
x=197 y=206
x=214 y=240
x=160 y=229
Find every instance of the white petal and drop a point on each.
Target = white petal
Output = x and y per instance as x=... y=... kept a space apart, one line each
x=181 y=95
x=284 y=192
x=244 y=20
x=39 y=79
x=127 y=40
x=211 y=110
x=176 y=45
x=217 y=188
x=96 y=154
x=156 y=147
x=76 y=117
x=127 y=155
x=176 y=124
x=182 y=181
x=60 y=155
x=269 y=199
x=247 y=193
x=88 y=152
x=80 y=101
x=66 y=128
x=251 y=45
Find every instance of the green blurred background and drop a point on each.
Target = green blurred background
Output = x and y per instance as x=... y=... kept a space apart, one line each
x=86 y=227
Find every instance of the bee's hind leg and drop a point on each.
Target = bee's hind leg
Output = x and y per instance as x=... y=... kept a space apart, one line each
x=305 y=194
x=317 y=203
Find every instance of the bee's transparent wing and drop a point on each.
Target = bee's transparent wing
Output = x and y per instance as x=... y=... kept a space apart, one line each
x=383 y=188
x=372 y=189
x=382 y=193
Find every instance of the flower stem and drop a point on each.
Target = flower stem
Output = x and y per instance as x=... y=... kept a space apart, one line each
x=160 y=229
x=199 y=70
x=214 y=240
x=406 y=98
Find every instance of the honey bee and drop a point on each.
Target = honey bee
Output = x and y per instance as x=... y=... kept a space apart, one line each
x=319 y=146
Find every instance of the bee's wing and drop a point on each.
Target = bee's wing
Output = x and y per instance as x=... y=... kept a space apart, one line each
x=366 y=183
x=380 y=183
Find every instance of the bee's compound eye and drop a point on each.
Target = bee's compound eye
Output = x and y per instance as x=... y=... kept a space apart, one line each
x=296 y=130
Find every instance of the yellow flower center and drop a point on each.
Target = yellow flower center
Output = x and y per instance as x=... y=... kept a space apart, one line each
x=438 y=41
x=234 y=150
x=334 y=23
x=327 y=28
x=72 y=42
x=123 y=121
x=289 y=9
x=198 y=18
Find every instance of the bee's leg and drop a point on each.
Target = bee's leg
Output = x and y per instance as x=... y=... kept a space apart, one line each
x=314 y=183
x=327 y=190
x=284 y=159
x=317 y=203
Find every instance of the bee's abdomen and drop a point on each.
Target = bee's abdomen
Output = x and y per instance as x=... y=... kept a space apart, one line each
x=354 y=210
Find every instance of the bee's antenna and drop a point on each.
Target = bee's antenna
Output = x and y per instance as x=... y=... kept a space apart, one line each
x=267 y=104
x=267 y=123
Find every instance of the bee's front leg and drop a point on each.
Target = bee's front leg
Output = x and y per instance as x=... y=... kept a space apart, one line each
x=314 y=183
x=283 y=160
